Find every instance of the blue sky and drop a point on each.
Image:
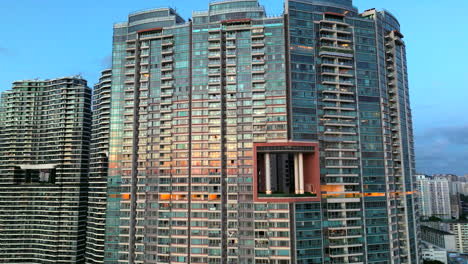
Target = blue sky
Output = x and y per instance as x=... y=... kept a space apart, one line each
x=52 y=38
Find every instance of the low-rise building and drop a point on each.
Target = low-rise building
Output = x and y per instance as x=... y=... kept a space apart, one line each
x=438 y=238
x=430 y=252
x=460 y=230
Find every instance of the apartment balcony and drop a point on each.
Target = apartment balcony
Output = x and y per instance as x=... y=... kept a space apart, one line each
x=166 y=102
x=230 y=46
x=258 y=70
x=130 y=81
x=345 y=73
x=258 y=80
x=257 y=52
x=329 y=22
x=389 y=45
x=338 y=64
x=259 y=98
x=257 y=43
x=214 y=55
x=214 y=72
x=328 y=36
x=344 y=46
x=258 y=35
x=231 y=62
x=167 y=77
x=167 y=59
x=167 y=43
x=347 y=133
x=329 y=73
x=343 y=39
x=258 y=61
x=327 y=28
x=338 y=100
x=329 y=81
x=346 y=83
x=167 y=51
x=167 y=68
x=214 y=38
x=231 y=53
x=345 y=91
x=166 y=94
x=167 y=85
x=214 y=46
x=214 y=90
x=166 y=109
x=214 y=64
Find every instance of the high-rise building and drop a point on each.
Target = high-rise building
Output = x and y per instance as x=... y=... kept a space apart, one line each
x=99 y=159
x=435 y=197
x=442 y=195
x=242 y=138
x=44 y=154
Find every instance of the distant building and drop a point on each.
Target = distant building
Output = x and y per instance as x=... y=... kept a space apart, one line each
x=456 y=258
x=431 y=252
x=45 y=130
x=456 y=227
x=460 y=230
x=438 y=238
x=449 y=177
x=434 y=197
x=460 y=187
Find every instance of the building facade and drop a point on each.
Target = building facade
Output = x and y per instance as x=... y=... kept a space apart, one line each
x=460 y=230
x=44 y=155
x=438 y=238
x=99 y=165
x=430 y=252
x=435 y=197
x=242 y=138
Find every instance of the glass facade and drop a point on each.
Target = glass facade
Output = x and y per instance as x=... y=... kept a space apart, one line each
x=99 y=166
x=242 y=138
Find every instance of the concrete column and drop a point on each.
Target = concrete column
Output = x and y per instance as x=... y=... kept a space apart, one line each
x=267 y=174
x=296 y=173
x=301 y=173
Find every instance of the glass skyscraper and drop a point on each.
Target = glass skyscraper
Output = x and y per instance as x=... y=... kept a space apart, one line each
x=99 y=166
x=44 y=159
x=237 y=137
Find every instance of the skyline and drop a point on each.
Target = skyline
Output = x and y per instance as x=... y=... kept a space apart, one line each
x=440 y=134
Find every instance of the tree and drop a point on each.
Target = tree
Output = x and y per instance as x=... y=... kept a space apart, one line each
x=434 y=219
